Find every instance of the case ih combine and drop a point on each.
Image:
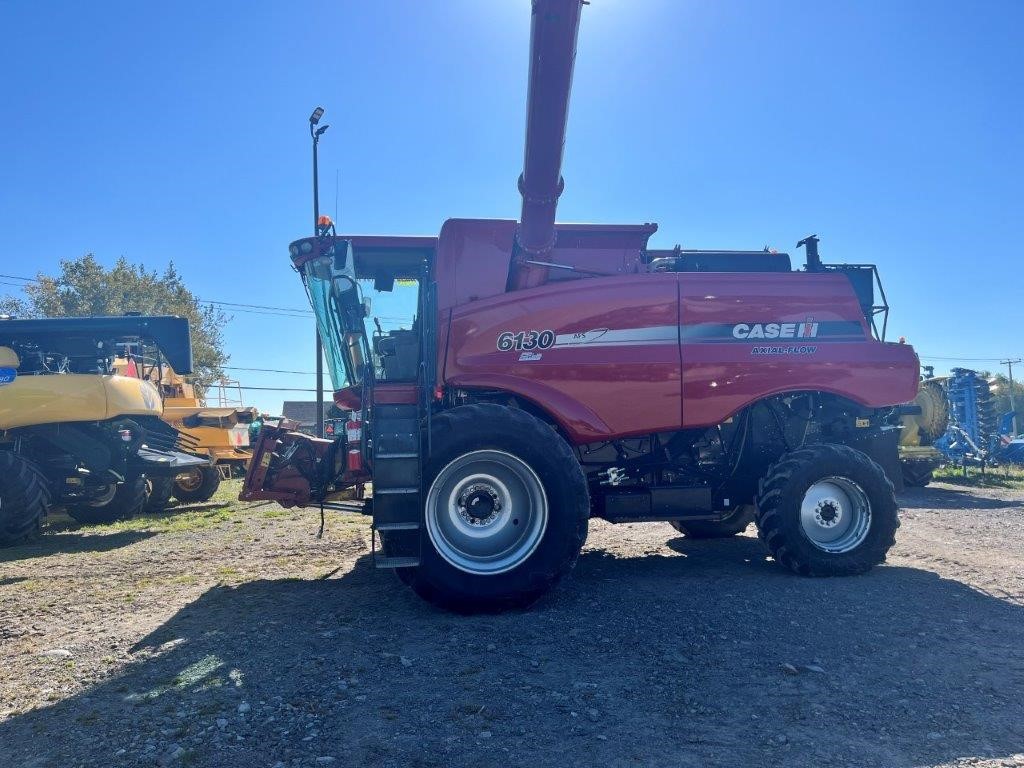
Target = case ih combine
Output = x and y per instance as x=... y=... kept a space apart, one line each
x=558 y=372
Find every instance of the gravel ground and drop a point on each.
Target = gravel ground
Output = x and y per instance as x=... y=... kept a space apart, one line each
x=227 y=635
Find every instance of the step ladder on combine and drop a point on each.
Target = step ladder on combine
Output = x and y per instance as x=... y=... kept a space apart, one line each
x=397 y=496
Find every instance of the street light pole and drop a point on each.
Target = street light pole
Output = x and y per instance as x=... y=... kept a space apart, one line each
x=315 y=134
x=1009 y=365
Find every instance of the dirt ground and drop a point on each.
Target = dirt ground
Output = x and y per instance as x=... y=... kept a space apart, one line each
x=227 y=635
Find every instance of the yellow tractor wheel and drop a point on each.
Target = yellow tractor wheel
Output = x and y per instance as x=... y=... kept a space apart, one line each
x=197 y=484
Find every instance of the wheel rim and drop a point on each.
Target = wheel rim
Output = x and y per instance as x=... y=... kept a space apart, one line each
x=486 y=512
x=835 y=515
x=189 y=480
x=104 y=497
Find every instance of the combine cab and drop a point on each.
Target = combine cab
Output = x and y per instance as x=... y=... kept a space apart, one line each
x=510 y=379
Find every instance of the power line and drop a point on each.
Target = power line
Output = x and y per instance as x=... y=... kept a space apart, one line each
x=264 y=370
x=962 y=359
x=270 y=389
x=253 y=306
x=265 y=313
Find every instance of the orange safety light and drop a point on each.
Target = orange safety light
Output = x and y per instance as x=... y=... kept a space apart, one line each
x=324 y=221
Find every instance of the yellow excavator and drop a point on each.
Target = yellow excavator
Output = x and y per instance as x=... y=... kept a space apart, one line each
x=74 y=433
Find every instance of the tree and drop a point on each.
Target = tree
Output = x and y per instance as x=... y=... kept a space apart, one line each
x=84 y=288
x=1001 y=396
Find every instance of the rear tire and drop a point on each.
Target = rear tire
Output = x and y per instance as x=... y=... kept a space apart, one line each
x=158 y=496
x=735 y=523
x=916 y=477
x=24 y=497
x=128 y=500
x=827 y=510
x=507 y=511
x=197 y=484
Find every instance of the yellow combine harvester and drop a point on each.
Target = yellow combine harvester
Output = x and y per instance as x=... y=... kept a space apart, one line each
x=75 y=434
x=220 y=433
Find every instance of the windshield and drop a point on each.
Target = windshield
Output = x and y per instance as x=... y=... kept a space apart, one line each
x=391 y=325
x=337 y=304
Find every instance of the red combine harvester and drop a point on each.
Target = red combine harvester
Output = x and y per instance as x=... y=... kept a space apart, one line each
x=558 y=372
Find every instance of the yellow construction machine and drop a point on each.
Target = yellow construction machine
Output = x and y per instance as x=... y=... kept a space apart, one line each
x=74 y=433
x=221 y=433
x=918 y=455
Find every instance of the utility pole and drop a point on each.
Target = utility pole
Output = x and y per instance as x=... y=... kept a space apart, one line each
x=315 y=133
x=1009 y=365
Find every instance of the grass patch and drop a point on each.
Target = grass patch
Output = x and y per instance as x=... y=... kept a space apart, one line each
x=275 y=511
x=992 y=477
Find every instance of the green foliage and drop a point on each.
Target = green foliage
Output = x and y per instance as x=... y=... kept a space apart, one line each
x=1005 y=476
x=1001 y=394
x=85 y=288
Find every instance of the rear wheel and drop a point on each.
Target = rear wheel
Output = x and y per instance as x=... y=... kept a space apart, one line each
x=915 y=476
x=158 y=493
x=24 y=497
x=115 y=502
x=197 y=484
x=827 y=510
x=506 y=510
x=734 y=523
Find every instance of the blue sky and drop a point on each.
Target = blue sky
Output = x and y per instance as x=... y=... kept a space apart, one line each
x=895 y=130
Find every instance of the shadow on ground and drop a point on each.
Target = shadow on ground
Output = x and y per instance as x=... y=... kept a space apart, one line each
x=948 y=497
x=77 y=539
x=634 y=661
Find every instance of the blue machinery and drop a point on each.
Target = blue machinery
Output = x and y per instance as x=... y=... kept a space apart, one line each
x=973 y=436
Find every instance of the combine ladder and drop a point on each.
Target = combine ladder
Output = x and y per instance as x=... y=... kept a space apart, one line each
x=397 y=496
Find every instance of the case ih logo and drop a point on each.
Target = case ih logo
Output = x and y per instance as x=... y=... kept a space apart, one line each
x=805 y=330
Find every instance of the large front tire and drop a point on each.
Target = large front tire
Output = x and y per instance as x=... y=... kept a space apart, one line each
x=827 y=510
x=127 y=500
x=506 y=510
x=24 y=497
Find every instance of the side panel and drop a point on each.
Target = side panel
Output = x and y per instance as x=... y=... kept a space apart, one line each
x=50 y=399
x=602 y=355
x=131 y=397
x=747 y=336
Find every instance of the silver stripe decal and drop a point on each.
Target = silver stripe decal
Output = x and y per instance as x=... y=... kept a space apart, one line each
x=670 y=334
x=623 y=337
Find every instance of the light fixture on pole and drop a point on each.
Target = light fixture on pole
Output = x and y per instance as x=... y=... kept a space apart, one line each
x=315 y=133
